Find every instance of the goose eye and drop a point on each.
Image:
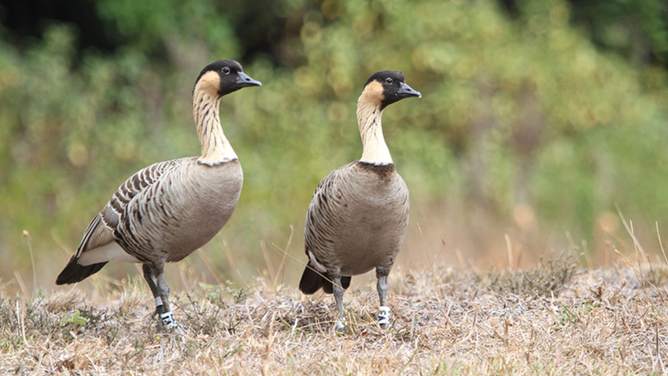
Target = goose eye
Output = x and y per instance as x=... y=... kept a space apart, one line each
x=388 y=80
x=226 y=70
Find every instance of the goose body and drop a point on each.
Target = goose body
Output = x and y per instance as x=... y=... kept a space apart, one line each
x=164 y=212
x=358 y=215
x=357 y=219
x=167 y=210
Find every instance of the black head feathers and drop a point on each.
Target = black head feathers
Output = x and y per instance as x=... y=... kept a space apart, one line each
x=226 y=76
x=393 y=85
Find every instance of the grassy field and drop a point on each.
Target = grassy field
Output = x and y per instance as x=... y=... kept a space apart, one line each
x=553 y=319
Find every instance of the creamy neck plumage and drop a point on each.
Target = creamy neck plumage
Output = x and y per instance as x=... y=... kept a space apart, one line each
x=369 y=117
x=216 y=149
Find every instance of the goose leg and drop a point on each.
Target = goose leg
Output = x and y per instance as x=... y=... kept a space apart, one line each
x=160 y=290
x=150 y=280
x=384 y=309
x=338 y=297
x=166 y=316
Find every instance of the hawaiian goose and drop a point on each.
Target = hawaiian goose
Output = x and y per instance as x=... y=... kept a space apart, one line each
x=358 y=216
x=166 y=211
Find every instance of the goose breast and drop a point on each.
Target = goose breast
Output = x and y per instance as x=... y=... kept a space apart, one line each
x=358 y=217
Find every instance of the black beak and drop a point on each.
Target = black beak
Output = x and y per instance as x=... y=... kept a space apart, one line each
x=244 y=80
x=406 y=91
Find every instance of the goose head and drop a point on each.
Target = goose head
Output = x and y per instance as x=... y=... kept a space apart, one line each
x=386 y=87
x=223 y=77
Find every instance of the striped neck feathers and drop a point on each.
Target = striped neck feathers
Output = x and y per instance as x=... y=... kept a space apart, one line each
x=216 y=149
x=369 y=114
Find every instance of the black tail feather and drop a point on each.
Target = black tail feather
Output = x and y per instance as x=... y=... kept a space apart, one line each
x=345 y=282
x=74 y=272
x=311 y=282
x=327 y=286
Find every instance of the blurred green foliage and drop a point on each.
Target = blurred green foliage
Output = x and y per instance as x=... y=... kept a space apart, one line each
x=517 y=112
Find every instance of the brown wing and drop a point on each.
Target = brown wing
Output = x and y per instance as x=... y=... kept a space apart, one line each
x=101 y=229
x=322 y=218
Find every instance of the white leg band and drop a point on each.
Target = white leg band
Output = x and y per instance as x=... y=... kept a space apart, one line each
x=383 y=316
x=168 y=320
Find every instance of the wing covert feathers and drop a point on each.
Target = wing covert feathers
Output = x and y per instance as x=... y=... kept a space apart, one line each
x=101 y=229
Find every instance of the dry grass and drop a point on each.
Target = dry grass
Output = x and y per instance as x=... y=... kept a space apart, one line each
x=588 y=322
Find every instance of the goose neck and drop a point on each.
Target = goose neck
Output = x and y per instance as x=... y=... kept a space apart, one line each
x=216 y=149
x=375 y=150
